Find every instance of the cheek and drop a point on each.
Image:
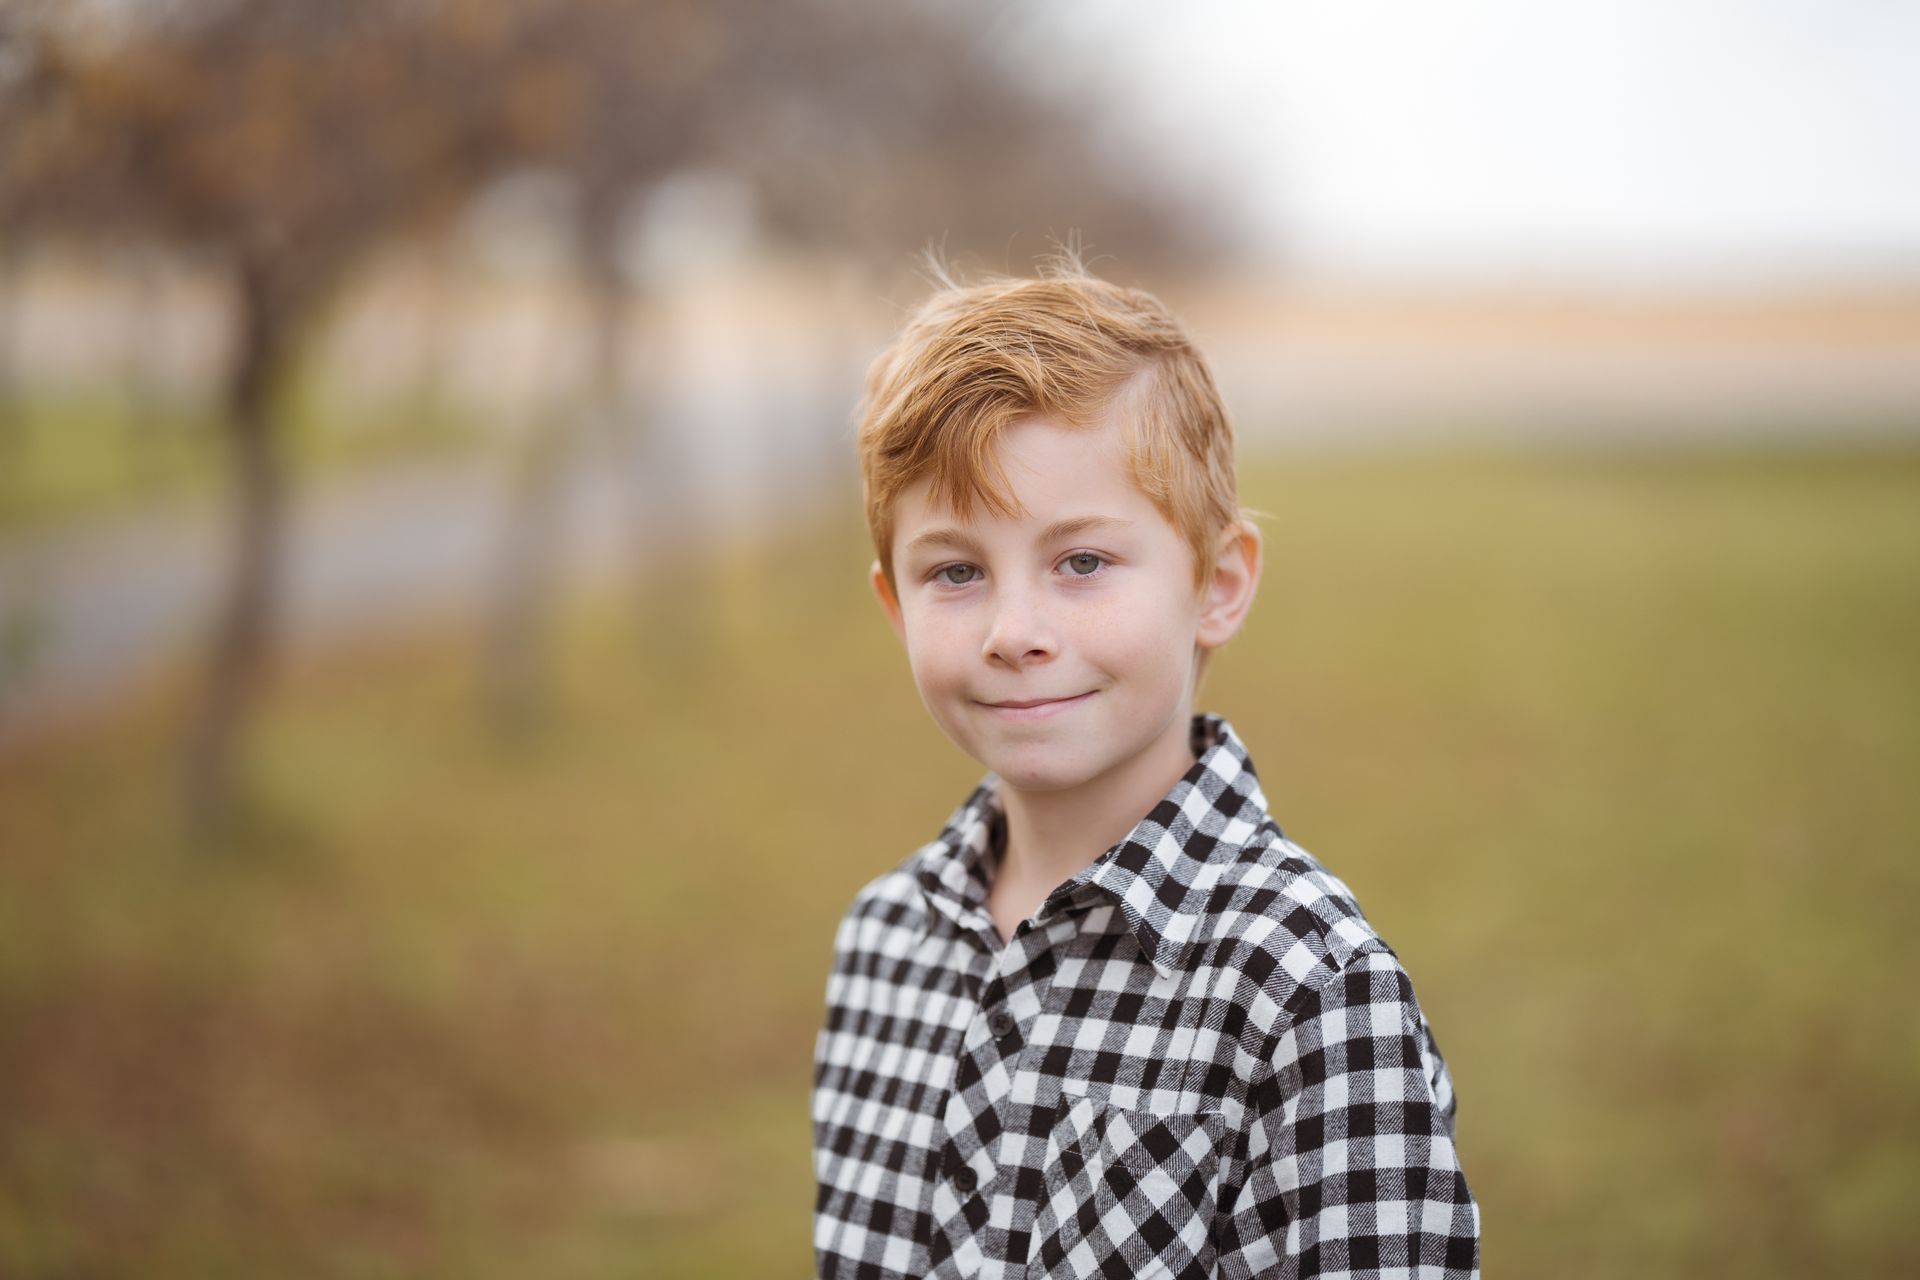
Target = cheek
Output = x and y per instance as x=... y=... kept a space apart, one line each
x=1132 y=632
x=936 y=649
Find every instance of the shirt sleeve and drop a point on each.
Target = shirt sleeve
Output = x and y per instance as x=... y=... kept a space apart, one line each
x=1351 y=1168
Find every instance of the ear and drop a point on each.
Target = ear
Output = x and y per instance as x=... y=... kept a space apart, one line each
x=1236 y=576
x=888 y=601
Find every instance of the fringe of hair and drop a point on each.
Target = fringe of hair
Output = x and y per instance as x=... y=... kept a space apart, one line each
x=977 y=356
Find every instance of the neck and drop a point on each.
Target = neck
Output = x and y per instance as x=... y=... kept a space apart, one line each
x=1052 y=836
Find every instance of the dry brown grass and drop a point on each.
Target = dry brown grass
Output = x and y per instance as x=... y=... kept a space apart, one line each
x=1617 y=753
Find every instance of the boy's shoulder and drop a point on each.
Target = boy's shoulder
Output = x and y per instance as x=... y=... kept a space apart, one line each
x=898 y=897
x=1275 y=896
x=894 y=897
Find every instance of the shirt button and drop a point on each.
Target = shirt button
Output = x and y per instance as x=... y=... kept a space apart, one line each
x=1001 y=1024
x=965 y=1180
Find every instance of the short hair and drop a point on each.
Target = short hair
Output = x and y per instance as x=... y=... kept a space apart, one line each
x=974 y=358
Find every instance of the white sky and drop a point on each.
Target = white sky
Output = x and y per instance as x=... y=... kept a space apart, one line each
x=1650 y=141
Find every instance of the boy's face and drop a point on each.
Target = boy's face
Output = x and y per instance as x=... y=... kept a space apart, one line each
x=1098 y=620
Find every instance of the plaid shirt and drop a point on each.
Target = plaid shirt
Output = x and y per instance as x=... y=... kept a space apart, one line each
x=1196 y=1059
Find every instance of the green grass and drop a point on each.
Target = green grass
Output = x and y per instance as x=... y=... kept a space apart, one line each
x=81 y=454
x=1618 y=751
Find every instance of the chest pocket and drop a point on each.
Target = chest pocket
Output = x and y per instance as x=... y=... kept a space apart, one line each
x=1126 y=1193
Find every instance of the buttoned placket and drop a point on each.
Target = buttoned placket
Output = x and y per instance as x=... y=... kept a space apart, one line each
x=1011 y=981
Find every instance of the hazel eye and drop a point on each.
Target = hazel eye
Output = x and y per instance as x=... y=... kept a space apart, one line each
x=1090 y=570
x=957 y=582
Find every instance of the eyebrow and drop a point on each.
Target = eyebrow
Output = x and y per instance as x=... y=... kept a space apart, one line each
x=1067 y=528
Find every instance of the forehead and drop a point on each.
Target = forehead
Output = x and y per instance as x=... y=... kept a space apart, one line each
x=1050 y=470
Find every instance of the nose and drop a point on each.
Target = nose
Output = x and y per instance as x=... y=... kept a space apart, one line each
x=1020 y=633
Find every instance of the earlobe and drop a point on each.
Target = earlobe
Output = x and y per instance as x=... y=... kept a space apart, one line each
x=877 y=578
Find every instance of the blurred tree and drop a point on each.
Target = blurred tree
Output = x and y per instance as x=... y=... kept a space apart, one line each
x=12 y=246
x=946 y=140
x=284 y=139
x=608 y=96
x=12 y=429
x=280 y=139
x=866 y=126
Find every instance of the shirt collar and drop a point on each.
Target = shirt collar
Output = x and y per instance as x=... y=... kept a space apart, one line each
x=1160 y=876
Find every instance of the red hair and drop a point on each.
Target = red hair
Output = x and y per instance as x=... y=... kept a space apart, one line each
x=975 y=358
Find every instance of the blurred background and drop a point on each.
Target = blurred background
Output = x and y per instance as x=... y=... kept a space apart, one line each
x=441 y=708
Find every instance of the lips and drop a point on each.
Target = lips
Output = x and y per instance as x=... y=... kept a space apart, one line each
x=1036 y=708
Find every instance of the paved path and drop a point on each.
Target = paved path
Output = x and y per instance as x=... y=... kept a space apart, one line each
x=101 y=606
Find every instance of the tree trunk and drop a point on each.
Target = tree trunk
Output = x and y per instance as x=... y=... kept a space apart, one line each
x=13 y=443
x=243 y=635
x=140 y=420
x=519 y=656
x=434 y=342
x=676 y=612
x=519 y=693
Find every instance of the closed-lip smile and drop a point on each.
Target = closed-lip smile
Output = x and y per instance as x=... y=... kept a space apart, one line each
x=1032 y=707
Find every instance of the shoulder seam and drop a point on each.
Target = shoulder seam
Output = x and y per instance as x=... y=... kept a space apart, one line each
x=1374 y=944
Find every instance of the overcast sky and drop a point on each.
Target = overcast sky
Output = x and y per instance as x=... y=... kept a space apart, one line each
x=1626 y=141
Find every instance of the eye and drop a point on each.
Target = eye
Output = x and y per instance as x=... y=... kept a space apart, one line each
x=943 y=574
x=1075 y=567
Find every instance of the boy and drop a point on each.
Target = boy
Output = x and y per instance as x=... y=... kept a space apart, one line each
x=1111 y=1022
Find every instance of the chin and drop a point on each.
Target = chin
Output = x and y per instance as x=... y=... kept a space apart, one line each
x=1038 y=770
x=1039 y=782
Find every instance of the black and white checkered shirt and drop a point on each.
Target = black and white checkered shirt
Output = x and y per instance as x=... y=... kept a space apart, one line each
x=1196 y=1059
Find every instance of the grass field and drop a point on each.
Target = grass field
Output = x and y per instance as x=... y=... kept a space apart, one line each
x=1619 y=751
x=70 y=457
